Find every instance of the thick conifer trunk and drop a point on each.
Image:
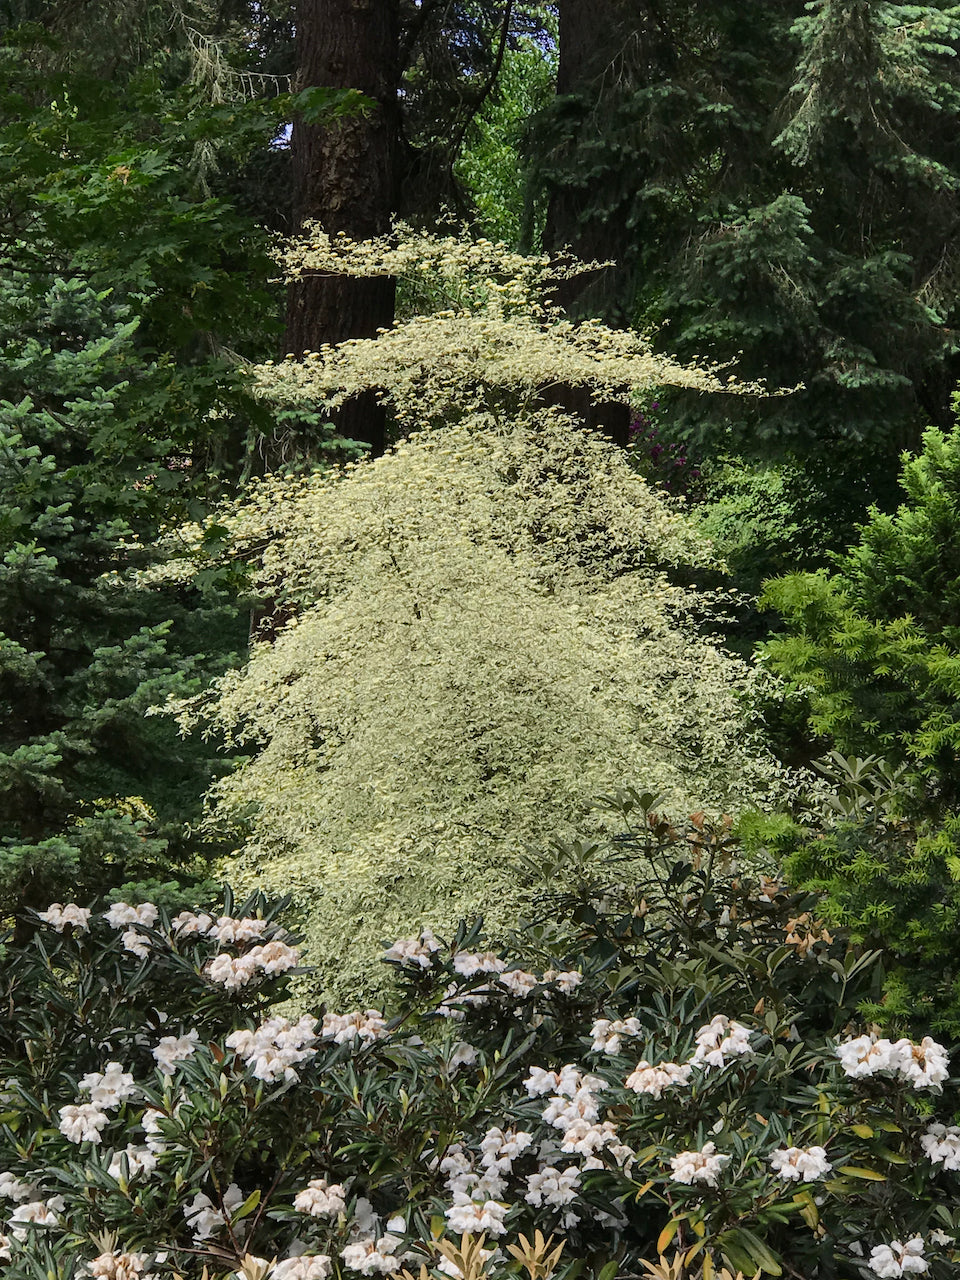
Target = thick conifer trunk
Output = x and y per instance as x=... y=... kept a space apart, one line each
x=594 y=40
x=345 y=178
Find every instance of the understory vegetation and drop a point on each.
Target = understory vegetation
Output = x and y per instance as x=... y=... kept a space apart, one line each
x=479 y=645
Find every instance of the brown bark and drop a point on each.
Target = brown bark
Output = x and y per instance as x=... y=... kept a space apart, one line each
x=594 y=44
x=345 y=179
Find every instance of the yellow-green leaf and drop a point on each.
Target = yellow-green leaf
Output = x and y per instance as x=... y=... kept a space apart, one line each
x=667 y=1234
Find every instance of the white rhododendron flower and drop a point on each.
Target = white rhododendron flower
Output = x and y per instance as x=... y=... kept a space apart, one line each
x=895 y=1259
x=586 y=1139
x=231 y=972
x=924 y=1065
x=469 y=963
x=373 y=1257
x=139 y=1160
x=13 y=1189
x=150 y=1123
x=941 y=1145
x=119 y=1266
x=698 y=1166
x=228 y=929
x=607 y=1035
x=276 y=1047
x=321 y=1199
x=564 y=1082
x=794 y=1163
x=59 y=916
x=38 y=1213
x=567 y=981
x=187 y=923
x=173 y=1049
x=275 y=957
x=462 y=1055
x=501 y=1147
x=82 y=1123
x=518 y=982
x=110 y=1087
x=204 y=1219
x=563 y=1112
x=414 y=951
x=475 y=1217
x=719 y=1040
x=316 y=1266
x=135 y=943
x=341 y=1028
x=653 y=1080
x=121 y=915
x=553 y=1186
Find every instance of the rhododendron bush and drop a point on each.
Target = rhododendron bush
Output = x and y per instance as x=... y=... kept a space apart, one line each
x=672 y=1066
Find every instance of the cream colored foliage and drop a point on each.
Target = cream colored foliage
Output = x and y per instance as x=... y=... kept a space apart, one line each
x=498 y=345
x=485 y=639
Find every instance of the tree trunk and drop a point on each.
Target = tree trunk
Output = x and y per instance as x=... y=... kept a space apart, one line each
x=345 y=179
x=594 y=48
x=595 y=42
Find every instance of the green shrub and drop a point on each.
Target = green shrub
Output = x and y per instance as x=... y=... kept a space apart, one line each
x=875 y=642
x=888 y=882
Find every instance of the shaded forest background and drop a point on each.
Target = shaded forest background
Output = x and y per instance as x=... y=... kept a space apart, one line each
x=768 y=184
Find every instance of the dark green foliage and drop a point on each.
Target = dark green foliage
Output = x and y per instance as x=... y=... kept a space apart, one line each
x=93 y=790
x=764 y=519
x=788 y=175
x=876 y=642
x=120 y=285
x=889 y=883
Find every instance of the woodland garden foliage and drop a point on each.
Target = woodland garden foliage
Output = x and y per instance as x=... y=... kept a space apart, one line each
x=495 y=619
x=689 y=1080
x=580 y=744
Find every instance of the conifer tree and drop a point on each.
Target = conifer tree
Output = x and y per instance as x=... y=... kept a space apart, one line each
x=787 y=176
x=875 y=644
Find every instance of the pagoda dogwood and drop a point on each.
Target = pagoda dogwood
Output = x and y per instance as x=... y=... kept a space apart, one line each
x=492 y=623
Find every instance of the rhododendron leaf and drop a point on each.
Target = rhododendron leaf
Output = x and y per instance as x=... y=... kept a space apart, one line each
x=762 y=1256
x=893 y=1157
x=666 y=1236
x=248 y=1206
x=854 y=1171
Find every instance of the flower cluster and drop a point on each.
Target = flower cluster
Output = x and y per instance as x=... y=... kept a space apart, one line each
x=794 y=1163
x=924 y=1065
x=321 y=1199
x=607 y=1035
x=276 y=1047
x=366 y=1138
x=653 y=1080
x=941 y=1145
x=414 y=951
x=893 y=1260
x=703 y=1166
x=344 y=1028
x=236 y=971
x=59 y=916
x=719 y=1040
